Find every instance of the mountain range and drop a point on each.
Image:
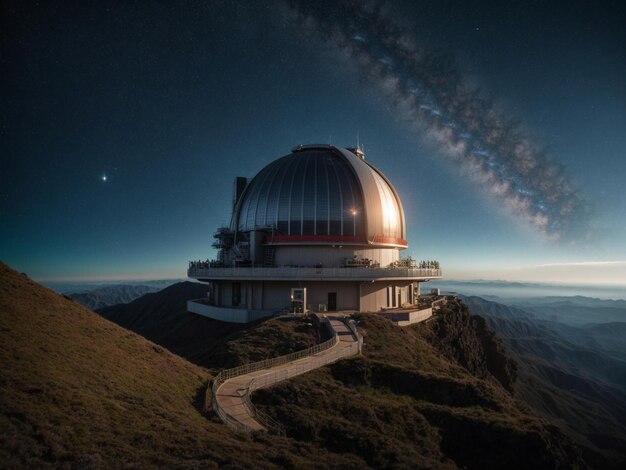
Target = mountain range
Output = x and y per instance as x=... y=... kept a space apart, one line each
x=576 y=310
x=80 y=391
x=573 y=375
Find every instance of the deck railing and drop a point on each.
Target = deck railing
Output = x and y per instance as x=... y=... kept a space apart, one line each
x=288 y=272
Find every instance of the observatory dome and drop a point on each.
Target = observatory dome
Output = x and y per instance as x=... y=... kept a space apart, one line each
x=320 y=194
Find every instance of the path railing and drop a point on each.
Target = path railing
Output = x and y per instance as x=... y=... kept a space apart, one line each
x=265 y=420
x=275 y=376
x=351 y=324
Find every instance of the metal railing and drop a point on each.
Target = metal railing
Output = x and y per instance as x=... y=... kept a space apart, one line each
x=266 y=420
x=351 y=324
x=226 y=374
x=275 y=376
x=287 y=272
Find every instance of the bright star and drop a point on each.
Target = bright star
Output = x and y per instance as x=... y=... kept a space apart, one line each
x=104 y=177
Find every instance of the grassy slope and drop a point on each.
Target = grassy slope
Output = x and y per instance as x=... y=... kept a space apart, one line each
x=407 y=402
x=267 y=339
x=77 y=390
x=162 y=317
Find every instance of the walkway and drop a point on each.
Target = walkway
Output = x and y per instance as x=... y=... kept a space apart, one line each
x=233 y=395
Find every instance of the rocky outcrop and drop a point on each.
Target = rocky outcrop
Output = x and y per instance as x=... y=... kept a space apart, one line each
x=468 y=340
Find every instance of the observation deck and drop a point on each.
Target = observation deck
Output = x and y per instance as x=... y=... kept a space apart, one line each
x=291 y=273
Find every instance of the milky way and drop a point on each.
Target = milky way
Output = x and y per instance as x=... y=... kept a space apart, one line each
x=428 y=90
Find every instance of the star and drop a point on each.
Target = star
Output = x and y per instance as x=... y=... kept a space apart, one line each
x=104 y=177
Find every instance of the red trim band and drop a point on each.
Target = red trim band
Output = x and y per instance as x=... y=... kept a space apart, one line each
x=382 y=240
x=336 y=240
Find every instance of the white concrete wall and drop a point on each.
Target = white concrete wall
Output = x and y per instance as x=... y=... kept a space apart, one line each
x=351 y=295
x=347 y=294
x=377 y=295
x=231 y=315
x=276 y=294
x=417 y=316
x=373 y=296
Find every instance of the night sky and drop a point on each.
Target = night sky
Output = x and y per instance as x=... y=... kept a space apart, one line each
x=171 y=101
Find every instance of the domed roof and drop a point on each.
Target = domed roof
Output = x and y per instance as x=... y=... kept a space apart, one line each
x=320 y=194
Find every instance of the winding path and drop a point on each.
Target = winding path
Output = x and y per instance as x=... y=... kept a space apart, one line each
x=233 y=395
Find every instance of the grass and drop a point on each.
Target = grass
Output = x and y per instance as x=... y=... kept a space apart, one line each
x=267 y=339
x=79 y=391
x=404 y=403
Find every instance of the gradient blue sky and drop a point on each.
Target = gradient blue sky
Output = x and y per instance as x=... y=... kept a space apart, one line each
x=173 y=101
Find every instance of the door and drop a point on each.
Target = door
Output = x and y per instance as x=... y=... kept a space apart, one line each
x=332 y=301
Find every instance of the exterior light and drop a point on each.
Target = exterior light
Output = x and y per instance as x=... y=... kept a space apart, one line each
x=353 y=212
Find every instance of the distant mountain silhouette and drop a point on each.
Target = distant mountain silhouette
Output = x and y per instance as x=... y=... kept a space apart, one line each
x=574 y=376
x=576 y=310
x=575 y=301
x=112 y=295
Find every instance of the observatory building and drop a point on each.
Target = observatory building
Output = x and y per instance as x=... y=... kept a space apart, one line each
x=320 y=229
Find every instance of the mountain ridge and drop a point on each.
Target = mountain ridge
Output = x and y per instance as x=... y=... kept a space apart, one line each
x=162 y=317
x=566 y=376
x=111 y=295
x=78 y=390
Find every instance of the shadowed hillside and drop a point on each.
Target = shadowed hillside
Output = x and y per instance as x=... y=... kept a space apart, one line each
x=162 y=317
x=78 y=391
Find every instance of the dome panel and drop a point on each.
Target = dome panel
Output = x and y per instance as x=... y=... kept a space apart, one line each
x=322 y=194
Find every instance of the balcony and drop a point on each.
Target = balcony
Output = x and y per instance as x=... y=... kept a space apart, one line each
x=286 y=273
